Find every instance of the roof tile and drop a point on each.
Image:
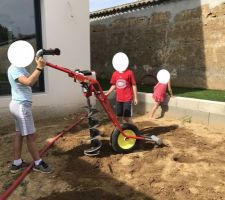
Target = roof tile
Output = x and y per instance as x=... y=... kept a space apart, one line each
x=124 y=8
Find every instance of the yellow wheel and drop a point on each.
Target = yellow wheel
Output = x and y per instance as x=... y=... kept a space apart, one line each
x=122 y=144
x=126 y=143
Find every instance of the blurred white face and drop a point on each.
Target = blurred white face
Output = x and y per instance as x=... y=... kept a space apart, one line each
x=163 y=76
x=120 y=62
x=20 y=53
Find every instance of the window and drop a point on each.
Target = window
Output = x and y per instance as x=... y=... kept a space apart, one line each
x=19 y=20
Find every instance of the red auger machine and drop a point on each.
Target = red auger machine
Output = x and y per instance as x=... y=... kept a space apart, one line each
x=125 y=136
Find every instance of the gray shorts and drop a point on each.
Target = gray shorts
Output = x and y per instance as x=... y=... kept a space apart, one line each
x=23 y=117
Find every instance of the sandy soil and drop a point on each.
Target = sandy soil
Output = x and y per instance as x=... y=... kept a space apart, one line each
x=191 y=165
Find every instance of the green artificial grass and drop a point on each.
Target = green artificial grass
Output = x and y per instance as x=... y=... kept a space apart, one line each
x=197 y=93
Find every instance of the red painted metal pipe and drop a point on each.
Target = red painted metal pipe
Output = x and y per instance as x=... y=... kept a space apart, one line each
x=13 y=186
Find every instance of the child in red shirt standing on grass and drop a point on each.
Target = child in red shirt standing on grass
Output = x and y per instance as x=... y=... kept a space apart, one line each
x=123 y=81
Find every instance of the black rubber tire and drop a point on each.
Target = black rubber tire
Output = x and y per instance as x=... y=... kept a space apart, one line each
x=115 y=135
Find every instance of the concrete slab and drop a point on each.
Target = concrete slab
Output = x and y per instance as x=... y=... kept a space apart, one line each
x=217 y=121
x=199 y=116
x=209 y=113
x=212 y=107
x=187 y=103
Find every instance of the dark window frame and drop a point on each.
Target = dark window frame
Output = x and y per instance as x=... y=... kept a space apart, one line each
x=38 y=38
x=38 y=30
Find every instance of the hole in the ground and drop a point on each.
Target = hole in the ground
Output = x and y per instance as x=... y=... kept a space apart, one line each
x=175 y=159
x=183 y=158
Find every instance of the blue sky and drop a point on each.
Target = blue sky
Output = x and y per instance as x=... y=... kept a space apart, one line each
x=101 y=4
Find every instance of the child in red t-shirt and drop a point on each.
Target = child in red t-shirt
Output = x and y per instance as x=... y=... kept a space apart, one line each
x=126 y=93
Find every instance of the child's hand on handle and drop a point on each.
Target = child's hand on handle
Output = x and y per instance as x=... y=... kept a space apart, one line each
x=41 y=63
x=111 y=89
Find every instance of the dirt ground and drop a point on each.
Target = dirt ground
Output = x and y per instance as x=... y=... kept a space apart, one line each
x=191 y=165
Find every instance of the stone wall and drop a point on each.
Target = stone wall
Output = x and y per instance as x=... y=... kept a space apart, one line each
x=186 y=37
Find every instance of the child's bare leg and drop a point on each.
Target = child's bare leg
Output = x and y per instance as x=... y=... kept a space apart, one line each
x=32 y=147
x=18 y=142
x=154 y=109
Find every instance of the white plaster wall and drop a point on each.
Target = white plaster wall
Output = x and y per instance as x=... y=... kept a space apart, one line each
x=65 y=25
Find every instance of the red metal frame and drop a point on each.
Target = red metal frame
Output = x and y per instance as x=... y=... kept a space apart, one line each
x=95 y=87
